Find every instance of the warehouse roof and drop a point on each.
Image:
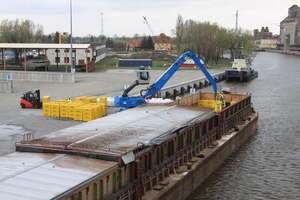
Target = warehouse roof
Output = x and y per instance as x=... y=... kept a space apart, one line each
x=42 y=46
x=119 y=133
x=36 y=176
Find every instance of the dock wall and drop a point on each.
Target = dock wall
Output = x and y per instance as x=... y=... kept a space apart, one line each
x=182 y=185
x=58 y=77
x=6 y=86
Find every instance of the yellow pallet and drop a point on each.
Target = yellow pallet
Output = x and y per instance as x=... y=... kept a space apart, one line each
x=54 y=109
x=46 y=99
x=78 y=114
x=99 y=111
x=46 y=109
x=103 y=100
x=103 y=110
x=70 y=109
x=92 y=99
x=64 y=112
x=214 y=104
x=88 y=113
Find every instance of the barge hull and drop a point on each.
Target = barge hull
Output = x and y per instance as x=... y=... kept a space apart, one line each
x=181 y=185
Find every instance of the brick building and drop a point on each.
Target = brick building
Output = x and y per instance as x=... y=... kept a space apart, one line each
x=264 y=33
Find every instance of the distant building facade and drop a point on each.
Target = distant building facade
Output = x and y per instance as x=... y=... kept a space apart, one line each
x=83 y=54
x=264 y=33
x=162 y=43
x=290 y=27
x=264 y=39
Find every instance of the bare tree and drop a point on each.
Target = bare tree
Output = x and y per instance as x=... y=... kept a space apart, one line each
x=20 y=31
x=209 y=40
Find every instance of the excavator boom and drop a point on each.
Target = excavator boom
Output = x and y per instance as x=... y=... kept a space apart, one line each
x=129 y=102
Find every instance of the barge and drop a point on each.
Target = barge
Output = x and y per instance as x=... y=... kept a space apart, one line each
x=150 y=152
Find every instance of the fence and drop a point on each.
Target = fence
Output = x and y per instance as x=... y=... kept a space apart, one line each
x=61 y=77
x=6 y=86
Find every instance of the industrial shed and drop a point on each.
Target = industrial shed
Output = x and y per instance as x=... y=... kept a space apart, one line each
x=85 y=55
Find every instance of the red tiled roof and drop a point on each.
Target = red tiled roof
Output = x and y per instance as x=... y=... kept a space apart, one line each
x=162 y=38
x=134 y=43
x=289 y=19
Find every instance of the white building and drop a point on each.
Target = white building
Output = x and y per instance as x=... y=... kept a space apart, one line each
x=266 y=43
x=59 y=54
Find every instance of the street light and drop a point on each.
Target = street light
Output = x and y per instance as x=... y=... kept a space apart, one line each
x=71 y=38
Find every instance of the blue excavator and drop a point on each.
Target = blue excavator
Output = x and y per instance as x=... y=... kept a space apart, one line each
x=144 y=78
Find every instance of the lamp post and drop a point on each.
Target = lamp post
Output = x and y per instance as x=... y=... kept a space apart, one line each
x=71 y=37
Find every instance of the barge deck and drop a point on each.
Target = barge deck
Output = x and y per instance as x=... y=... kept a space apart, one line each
x=150 y=152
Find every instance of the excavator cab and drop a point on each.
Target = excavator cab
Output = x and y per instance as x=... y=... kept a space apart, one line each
x=143 y=76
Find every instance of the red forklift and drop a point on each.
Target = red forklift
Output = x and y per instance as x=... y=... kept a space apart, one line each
x=31 y=99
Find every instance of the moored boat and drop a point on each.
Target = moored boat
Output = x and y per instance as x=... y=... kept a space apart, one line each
x=240 y=71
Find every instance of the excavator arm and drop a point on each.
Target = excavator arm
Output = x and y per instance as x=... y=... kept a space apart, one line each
x=129 y=102
x=159 y=84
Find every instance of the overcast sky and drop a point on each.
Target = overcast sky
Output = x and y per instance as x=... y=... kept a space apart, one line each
x=124 y=17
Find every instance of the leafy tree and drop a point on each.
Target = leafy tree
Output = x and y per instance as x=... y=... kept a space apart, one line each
x=56 y=37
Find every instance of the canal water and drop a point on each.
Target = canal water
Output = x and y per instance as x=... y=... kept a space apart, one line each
x=268 y=166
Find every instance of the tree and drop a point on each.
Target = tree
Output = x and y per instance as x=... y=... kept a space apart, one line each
x=150 y=44
x=179 y=31
x=109 y=43
x=144 y=43
x=20 y=31
x=56 y=37
x=210 y=40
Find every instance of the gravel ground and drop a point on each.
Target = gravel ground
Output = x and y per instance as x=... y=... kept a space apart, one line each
x=14 y=121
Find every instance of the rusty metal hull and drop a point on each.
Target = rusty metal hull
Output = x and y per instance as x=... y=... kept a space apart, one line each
x=191 y=176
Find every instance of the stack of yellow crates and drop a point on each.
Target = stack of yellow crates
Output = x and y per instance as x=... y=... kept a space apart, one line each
x=214 y=104
x=103 y=102
x=46 y=106
x=80 y=109
x=64 y=114
x=54 y=110
x=47 y=109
